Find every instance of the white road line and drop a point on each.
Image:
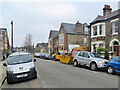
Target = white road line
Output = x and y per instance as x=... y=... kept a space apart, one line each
x=44 y=84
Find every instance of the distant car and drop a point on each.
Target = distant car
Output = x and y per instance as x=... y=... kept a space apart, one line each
x=37 y=54
x=48 y=56
x=42 y=55
x=89 y=59
x=114 y=65
x=20 y=66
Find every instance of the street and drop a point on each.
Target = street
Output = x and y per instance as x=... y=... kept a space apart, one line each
x=53 y=74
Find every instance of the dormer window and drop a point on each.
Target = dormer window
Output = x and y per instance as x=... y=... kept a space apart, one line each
x=115 y=27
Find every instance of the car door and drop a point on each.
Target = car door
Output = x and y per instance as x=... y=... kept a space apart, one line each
x=86 y=58
x=116 y=63
x=80 y=58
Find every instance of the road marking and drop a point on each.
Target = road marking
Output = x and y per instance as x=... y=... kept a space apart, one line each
x=44 y=84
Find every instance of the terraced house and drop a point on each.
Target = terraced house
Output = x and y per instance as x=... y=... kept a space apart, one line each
x=53 y=41
x=72 y=35
x=4 y=42
x=104 y=31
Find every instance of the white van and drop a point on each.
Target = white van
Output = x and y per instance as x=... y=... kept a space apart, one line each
x=20 y=67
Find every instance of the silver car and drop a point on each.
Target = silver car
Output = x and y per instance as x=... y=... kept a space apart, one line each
x=92 y=60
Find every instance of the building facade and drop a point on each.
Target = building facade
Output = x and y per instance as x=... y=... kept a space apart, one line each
x=104 y=31
x=72 y=35
x=41 y=47
x=53 y=41
x=4 y=42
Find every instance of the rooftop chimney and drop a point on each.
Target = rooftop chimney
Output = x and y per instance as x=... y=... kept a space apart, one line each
x=106 y=10
x=78 y=27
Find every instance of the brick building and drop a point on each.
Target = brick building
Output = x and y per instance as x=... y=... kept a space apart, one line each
x=104 y=31
x=71 y=35
x=53 y=41
x=4 y=42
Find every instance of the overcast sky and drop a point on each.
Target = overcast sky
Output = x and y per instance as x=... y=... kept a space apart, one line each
x=38 y=18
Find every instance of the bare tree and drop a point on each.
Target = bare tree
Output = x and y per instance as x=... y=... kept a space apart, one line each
x=28 y=43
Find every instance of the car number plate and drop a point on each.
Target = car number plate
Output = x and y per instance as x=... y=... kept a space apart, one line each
x=23 y=75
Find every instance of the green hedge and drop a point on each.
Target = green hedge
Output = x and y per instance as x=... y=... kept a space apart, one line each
x=101 y=49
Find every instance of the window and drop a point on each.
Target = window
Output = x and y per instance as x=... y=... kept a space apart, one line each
x=80 y=54
x=101 y=29
x=115 y=27
x=94 y=30
x=117 y=59
x=61 y=31
x=62 y=38
x=86 y=55
x=85 y=30
x=101 y=45
x=85 y=40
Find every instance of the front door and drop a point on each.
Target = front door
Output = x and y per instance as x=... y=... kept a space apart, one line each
x=116 y=49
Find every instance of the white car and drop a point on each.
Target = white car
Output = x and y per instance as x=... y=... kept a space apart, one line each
x=92 y=60
x=20 y=66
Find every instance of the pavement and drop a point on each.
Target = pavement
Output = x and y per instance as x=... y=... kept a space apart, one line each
x=53 y=74
x=2 y=71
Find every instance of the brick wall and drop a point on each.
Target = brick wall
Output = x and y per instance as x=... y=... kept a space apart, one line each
x=77 y=40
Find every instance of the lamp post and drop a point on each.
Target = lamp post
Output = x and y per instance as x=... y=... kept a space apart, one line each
x=11 y=36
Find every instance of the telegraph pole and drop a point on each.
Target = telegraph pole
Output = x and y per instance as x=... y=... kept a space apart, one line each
x=11 y=36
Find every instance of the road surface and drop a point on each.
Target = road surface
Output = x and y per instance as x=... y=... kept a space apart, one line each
x=53 y=74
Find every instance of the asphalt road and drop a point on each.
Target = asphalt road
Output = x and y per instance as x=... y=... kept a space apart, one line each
x=53 y=74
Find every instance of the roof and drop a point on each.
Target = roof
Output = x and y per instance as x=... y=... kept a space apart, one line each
x=42 y=44
x=71 y=28
x=19 y=53
x=53 y=34
x=111 y=15
x=98 y=18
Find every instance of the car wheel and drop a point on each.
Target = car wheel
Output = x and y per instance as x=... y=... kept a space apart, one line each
x=93 y=66
x=75 y=63
x=110 y=70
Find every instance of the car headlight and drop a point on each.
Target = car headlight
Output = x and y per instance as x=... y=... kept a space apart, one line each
x=100 y=62
x=32 y=65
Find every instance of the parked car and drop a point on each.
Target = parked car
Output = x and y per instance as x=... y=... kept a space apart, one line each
x=89 y=59
x=114 y=65
x=20 y=66
x=37 y=54
x=48 y=56
x=42 y=55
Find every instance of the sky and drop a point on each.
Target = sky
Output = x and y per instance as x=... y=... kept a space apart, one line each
x=39 y=17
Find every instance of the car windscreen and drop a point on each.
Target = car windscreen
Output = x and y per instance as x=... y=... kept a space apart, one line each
x=95 y=55
x=19 y=59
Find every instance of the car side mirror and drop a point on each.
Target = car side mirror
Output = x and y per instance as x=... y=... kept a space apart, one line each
x=4 y=64
x=88 y=56
x=34 y=60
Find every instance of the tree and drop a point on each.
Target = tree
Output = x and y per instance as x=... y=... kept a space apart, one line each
x=28 y=43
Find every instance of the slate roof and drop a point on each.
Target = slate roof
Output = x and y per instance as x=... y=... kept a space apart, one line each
x=114 y=13
x=71 y=28
x=53 y=34
x=102 y=18
x=99 y=18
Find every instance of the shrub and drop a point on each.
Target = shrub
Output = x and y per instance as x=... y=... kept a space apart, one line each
x=101 y=49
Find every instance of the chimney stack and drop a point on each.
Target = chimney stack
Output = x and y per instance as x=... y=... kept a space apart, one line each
x=106 y=10
x=79 y=27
